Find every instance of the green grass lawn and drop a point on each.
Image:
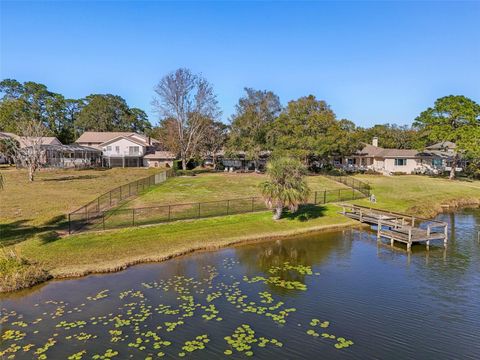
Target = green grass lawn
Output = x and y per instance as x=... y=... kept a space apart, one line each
x=88 y=252
x=27 y=208
x=114 y=249
x=215 y=186
x=419 y=195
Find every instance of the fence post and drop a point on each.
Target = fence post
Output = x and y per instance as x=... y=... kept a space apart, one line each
x=228 y=206
x=69 y=225
x=253 y=199
x=120 y=192
x=129 y=189
x=353 y=192
x=199 y=209
x=324 y=196
x=110 y=192
x=339 y=194
x=103 y=220
x=133 y=216
x=98 y=204
x=315 y=201
x=169 y=206
x=137 y=187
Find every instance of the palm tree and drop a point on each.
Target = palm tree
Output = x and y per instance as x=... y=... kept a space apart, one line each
x=286 y=186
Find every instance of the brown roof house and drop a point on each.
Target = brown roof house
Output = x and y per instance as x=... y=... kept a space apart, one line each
x=25 y=141
x=435 y=159
x=54 y=153
x=122 y=149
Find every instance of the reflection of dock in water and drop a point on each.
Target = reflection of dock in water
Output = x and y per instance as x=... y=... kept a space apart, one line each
x=399 y=227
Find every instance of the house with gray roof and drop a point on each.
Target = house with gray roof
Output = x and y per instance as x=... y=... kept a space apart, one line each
x=434 y=159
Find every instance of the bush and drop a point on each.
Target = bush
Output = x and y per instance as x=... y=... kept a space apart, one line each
x=177 y=164
x=17 y=273
x=334 y=172
x=193 y=172
x=473 y=170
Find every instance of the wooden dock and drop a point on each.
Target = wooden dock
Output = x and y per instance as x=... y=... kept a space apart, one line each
x=399 y=227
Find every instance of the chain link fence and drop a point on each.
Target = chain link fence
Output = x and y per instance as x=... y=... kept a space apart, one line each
x=119 y=218
x=80 y=218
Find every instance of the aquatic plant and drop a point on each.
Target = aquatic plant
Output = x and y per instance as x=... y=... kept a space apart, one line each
x=341 y=342
x=101 y=295
x=243 y=338
x=143 y=325
x=197 y=344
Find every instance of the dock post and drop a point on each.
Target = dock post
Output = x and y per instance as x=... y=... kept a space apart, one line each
x=445 y=234
x=428 y=237
x=379 y=227
x=409 y=244
x=428 y=244
x=391 y=241
x=361 y=217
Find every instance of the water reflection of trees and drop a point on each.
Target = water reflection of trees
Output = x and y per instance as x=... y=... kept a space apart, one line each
x=311 y=250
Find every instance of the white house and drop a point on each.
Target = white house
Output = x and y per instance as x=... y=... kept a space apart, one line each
x=126 y=149
x=433 y=160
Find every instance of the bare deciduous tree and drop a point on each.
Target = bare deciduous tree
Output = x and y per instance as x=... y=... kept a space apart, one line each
x=189 y=101
x=27 y=151
x=215 y=140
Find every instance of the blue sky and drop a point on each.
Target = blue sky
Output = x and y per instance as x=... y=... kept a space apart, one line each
x=373 y=62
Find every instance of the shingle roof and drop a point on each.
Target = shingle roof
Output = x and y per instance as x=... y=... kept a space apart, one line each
x=370 y=150
x=442 y=145
x=27 y=141
x=399 y=153
x=100 y=137
x=376 y=151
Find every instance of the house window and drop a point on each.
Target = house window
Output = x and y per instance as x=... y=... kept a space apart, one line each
x=109 y=148
x=400 y=162
x=133 y=150
x=437 y=162
x=117 y=149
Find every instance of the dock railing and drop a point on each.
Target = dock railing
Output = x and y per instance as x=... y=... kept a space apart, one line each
x=398 y=225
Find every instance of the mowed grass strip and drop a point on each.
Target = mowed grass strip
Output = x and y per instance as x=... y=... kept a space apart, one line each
x=27 y=207
x=215 y=187
x=111 y=250
x=419 y=195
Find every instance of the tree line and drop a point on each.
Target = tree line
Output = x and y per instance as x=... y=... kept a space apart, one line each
x=66 y=118
x=307 y=128
x=189 y=121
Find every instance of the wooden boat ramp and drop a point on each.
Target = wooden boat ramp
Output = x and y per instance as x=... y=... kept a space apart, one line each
x=399 y=227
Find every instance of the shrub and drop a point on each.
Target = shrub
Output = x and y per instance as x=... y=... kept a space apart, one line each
x=17 y=273
x=286 y=186
x=193 y=172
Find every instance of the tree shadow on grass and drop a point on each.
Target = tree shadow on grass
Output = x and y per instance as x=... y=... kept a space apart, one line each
x=16 y=231
x=305 y=213
x=20 y=230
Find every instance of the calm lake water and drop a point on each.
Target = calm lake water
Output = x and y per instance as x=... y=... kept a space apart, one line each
x=335 y=295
